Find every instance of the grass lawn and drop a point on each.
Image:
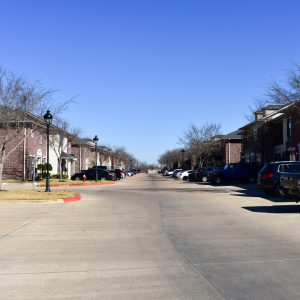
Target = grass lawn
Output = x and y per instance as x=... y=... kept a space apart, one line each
x=71 y=182
x=14 y=181
x=32 y=195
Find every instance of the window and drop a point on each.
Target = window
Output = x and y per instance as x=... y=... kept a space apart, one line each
x=255 y=134
x=289 y=128
x=291 y=168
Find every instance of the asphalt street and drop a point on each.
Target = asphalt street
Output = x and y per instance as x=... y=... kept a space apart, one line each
x=151 y=237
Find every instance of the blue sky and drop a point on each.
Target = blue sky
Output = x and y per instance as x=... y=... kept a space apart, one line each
x=145 y=70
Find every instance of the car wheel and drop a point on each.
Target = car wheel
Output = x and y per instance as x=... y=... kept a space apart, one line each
x=218 y=180
x=184 y=178
x=204 y=178
x=278 y=191
x=102 y=178
x=77 y=178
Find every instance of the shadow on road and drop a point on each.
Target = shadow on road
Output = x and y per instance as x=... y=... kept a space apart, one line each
x=177 y=190
x=276 y=209
x=252 y=192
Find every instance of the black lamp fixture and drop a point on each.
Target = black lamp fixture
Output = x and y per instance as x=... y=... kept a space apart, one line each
x=48 y=120
x=95 y=140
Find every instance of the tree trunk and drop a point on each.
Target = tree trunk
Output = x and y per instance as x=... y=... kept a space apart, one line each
x=2 y=159
x=1 y=174
x=60 y=170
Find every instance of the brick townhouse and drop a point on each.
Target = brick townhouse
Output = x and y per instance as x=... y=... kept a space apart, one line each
x=32 y=144
x=273 y=135
x=83 y=149
x=76 y=154
x=232 y=147
x=31 y=150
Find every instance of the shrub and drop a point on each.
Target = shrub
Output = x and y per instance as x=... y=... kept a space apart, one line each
x=43 y=167
x=57 y=176
x=39 y=177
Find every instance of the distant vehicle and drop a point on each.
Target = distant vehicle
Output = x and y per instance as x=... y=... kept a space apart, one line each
x=91 y=175
x=184 y=175
x=119 y=173
x=203 y=173
x=235 y=172
x=169 y=173
x=269 y=176
x=175 y=172
x=130 y=173
x=178 y=174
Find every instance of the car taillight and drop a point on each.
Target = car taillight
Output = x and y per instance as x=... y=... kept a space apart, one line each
x=266 y=176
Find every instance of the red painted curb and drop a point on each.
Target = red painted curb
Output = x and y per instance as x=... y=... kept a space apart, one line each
x=77 y=197
x=75 y=185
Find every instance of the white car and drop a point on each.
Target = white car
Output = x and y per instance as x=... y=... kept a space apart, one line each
x=179 y=174
x=184 y=174
x=169 y=173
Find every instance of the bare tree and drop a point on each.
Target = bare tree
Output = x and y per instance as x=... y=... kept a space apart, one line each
x=278 y=93
x=22 y=104
x=20 y=101
x=202 y=142
x=122 y=155
x=170 y=158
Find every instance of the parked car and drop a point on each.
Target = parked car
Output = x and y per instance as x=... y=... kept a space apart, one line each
x=91 y=175
x=175 y=172
x=130 y=172
x=119 y=173
x=178 y=174
x=203 y=173
x=184 y=175
x=269 y=176
x=169 y=172
x=290 y=181
x=235 y=172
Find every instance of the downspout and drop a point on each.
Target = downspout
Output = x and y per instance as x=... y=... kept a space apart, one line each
x=229 y=152
x=24 y=154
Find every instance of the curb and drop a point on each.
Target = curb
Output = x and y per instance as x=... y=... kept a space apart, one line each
x=77 y=197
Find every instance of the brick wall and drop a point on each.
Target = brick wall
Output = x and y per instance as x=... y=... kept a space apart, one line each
x=19 y=160
x=233 y=152
x=87 y=156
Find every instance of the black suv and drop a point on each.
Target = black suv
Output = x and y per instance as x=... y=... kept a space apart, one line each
x=269 y=177
x=235 y=172
x=91 y=175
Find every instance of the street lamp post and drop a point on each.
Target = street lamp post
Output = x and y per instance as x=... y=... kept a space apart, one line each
x=95 y=140
x=182 y=157
x=48 y=119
